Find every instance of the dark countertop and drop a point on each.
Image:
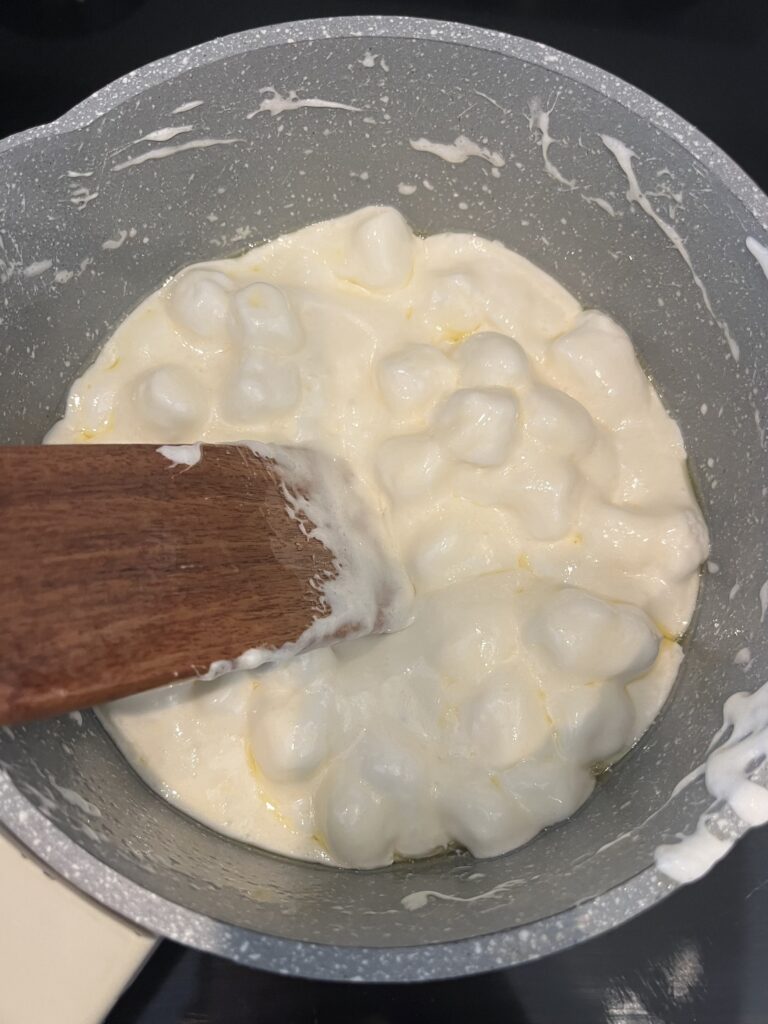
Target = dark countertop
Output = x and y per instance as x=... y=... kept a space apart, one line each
x=698 y=958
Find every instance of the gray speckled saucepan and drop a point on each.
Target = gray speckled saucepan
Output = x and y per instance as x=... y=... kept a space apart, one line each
x=88 y=230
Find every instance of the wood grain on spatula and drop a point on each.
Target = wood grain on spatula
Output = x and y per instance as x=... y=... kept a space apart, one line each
x=122 y=571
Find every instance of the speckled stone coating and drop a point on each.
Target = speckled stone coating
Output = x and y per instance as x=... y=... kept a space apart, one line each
x=73 y=263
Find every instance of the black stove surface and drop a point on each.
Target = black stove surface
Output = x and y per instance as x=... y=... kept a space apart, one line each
x=701 y=957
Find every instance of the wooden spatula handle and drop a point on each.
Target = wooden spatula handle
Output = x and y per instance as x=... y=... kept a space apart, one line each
x=121 y=571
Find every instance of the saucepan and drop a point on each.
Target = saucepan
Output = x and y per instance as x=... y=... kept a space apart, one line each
x=100 y=207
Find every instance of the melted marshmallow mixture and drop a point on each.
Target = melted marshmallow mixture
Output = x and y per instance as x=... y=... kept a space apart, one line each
x=529 y=482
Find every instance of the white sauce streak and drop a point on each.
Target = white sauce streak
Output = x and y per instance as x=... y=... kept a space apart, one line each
x=184 y=107
x=37 y=268
x=602 y=203
x=624 y=155
x=276 y=104
x=115 y=243
x=80 y=197
x=165 y=134
x=692 y=857
x=76 y=800
x=538 y=123
x=760 y=252
x=419 y=900
x=182 y=454
x=459 y=151
x=164 y=151
x=727 y=776
x=743 y=657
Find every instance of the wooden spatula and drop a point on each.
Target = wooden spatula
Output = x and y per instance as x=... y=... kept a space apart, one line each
x=125 y=567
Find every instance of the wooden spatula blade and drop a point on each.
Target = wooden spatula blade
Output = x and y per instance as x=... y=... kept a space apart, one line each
x=123 y=571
